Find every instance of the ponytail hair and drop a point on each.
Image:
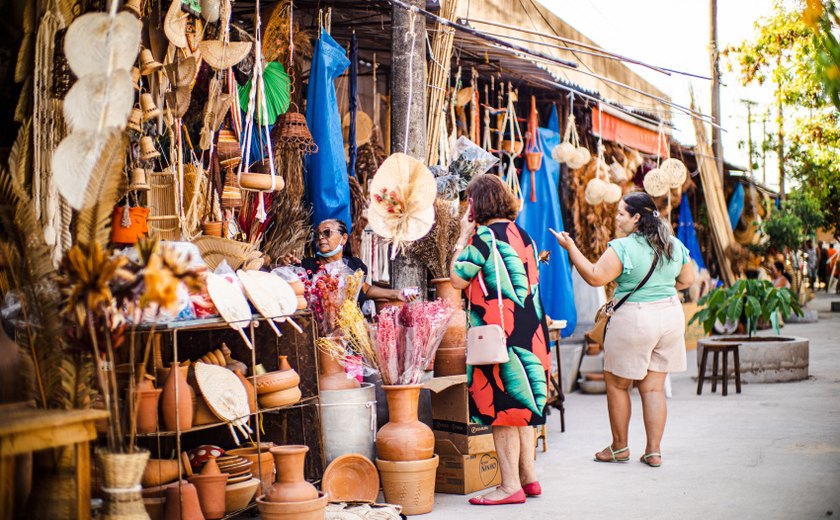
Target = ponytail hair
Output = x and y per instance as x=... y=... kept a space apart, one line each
x=656 y=230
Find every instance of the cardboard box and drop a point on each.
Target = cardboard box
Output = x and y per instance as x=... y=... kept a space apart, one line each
x=464 y=474
x=451 y=416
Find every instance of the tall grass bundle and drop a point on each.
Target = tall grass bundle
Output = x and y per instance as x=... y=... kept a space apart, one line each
x=435 y=249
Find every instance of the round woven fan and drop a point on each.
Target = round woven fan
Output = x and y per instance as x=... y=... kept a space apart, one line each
x=175 y=25
x=95 y=94
x=612 y=194
x=277 y=94
x=225 y=396
x=87 y=48
x=231 y=304
x=215 y=249
x=178 y=101
x=402 y=228
x=73 y=162
x=656 y=183
x=402 y=185
x=181 y=73
x=261 y=297
x=364 y=128
x=210 y=10
x=675 y=171
x=594 y=191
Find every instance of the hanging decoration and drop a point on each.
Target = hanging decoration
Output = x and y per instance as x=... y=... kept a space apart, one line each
x=277 y=93
x=533 y=147
x=222 y=54
x=675 y=171
x=657 y=182
x=511 y=146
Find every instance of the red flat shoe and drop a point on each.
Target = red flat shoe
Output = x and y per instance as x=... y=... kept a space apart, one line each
x=516 y=498
x=532 y=489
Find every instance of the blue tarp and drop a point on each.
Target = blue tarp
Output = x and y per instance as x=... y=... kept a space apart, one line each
x=556 y=290
x=687 y=234
x=736 y=205
x=325 y=174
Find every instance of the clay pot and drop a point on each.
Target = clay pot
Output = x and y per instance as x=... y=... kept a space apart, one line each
x=306 y=510
x=230 y=363
x=332 y=376
x=410 y=484
x=147 y=410
x=155 y=507
x=281 y=397
x=404 y=437
x=262 y=462
x=276 y=381
x=211 y=493
x=283 y=363
x=160 y=471
x=182 y=503
x=203 y=413
x=290 y=485
x=211 y=229
x=452 y=351
x=249 y=390
x=182 y=402
x=239 y=495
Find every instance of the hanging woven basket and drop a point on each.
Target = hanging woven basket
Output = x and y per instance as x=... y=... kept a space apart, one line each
x=291 y=130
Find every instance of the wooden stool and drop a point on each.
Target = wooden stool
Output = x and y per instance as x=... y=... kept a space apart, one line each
x=540 y=431
x=724 y=378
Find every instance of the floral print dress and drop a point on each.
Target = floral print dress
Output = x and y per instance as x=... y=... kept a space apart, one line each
x=512 y=393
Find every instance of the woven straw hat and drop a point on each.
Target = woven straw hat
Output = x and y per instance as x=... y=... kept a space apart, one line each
x=656 y=183
x=364 y=128
x=97 y=94
x=675 y=171
x=612 y=194
x=175 y=25
x=138 y=180
x=406 y=183
x=147 y=104
x=148 y=151
x=87 y=48
x=214 y=249
x=595 y=191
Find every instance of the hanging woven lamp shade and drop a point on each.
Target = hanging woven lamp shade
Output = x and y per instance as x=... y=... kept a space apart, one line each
x=291 y=130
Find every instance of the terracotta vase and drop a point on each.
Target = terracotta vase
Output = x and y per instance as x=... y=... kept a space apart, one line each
x=403 y=437
x=211 y=492
x=182 y=403
x=249 y=390
x=411 y=484
x=262 y=462
x=290 y=485
x=306 y=510
x=147 y=410
x=182 y=503
x=283 y=363
x=332 y=375
x=451 y=356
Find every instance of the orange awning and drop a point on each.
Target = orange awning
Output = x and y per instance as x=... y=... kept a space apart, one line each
x=628 y=134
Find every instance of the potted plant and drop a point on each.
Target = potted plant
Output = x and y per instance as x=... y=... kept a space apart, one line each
x=764 y=359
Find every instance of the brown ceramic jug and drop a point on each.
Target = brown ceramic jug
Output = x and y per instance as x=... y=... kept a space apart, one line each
x=283 y=363
x=332 y=375
x=183 y=402
x=451 y=356
x=290 y=485
x=147 y=410
x=404 y=438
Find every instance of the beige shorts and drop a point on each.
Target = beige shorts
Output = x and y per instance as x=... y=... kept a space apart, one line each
x=646 y=336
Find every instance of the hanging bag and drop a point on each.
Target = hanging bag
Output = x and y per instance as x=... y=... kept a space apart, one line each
x=487 y=344
x=603 y=315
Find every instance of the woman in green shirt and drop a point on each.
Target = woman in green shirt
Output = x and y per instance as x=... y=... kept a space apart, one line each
x=646 y=336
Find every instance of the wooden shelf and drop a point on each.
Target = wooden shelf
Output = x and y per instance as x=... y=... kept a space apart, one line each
x=306 y=401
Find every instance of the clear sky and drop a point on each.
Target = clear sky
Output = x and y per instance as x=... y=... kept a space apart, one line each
x=675 y=35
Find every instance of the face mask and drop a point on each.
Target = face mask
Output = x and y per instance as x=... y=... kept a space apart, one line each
x=330 y=254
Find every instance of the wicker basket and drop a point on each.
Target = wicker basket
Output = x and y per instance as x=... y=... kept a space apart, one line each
x=163 y=218
x=122 y=473
x=291 y=128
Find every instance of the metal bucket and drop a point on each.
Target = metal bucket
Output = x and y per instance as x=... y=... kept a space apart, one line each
x=348 y=421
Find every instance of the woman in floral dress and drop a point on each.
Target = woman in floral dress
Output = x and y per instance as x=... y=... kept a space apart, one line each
x=508 y=396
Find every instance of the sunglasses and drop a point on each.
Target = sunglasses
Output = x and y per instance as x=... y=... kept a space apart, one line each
x=327 y=233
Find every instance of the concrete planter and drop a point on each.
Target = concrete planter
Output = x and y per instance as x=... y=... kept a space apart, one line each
x=764 y=359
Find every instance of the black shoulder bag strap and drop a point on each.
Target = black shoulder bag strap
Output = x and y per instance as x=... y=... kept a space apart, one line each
x=641 y=284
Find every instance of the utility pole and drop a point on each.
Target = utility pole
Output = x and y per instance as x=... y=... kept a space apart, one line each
x=408 y=113
x=749 y=104
x=764 y=146
x=717 y=144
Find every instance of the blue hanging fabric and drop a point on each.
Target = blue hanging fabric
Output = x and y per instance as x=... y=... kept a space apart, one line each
x=556 y=290
x=325 y=174
x=687 y=234
x=353 y=104
x=736 y=205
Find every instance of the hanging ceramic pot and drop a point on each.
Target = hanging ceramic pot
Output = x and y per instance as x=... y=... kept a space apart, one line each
x=290 y=485
x=182 y=402
x=404 y=437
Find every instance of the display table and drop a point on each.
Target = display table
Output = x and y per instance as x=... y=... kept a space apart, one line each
x=24 y=430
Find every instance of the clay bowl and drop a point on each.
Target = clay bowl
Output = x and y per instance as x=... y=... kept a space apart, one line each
x=235 y=479
x=229 y=460
x=260 y=181
x=281 y=398
x=239 y=494
x=155 y=507
x=251 y=453
x=160 y=471
x=351 y=478
x=276 y=381
x=306 y=510
x=238 y=469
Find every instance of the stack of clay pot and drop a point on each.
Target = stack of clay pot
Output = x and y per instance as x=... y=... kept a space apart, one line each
x=291 y=497
x=262 y=462
x=451 y=356
x=407 y=462
x=278 y=388
x=210 y=486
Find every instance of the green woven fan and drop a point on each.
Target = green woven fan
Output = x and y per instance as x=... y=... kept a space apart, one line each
x=276 y=93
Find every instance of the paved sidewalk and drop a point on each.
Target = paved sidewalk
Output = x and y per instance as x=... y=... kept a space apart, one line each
x=772 y=452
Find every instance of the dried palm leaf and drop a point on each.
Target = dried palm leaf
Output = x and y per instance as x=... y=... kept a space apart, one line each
x=290 y=231
x=435 y=249
x=26 y=53
x=289 y=161
x=88 y=48
x=275 y=40
x=358 y=207
x=20 y=155
x=24 y=104
x=104 y=190
x=99 y=99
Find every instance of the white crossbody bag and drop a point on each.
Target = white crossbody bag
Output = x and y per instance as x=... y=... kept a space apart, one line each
x=487 y=344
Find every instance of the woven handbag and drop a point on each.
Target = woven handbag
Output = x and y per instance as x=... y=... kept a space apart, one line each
x=487 y=344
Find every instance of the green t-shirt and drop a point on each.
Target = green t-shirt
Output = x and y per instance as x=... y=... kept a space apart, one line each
x=636 y=256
